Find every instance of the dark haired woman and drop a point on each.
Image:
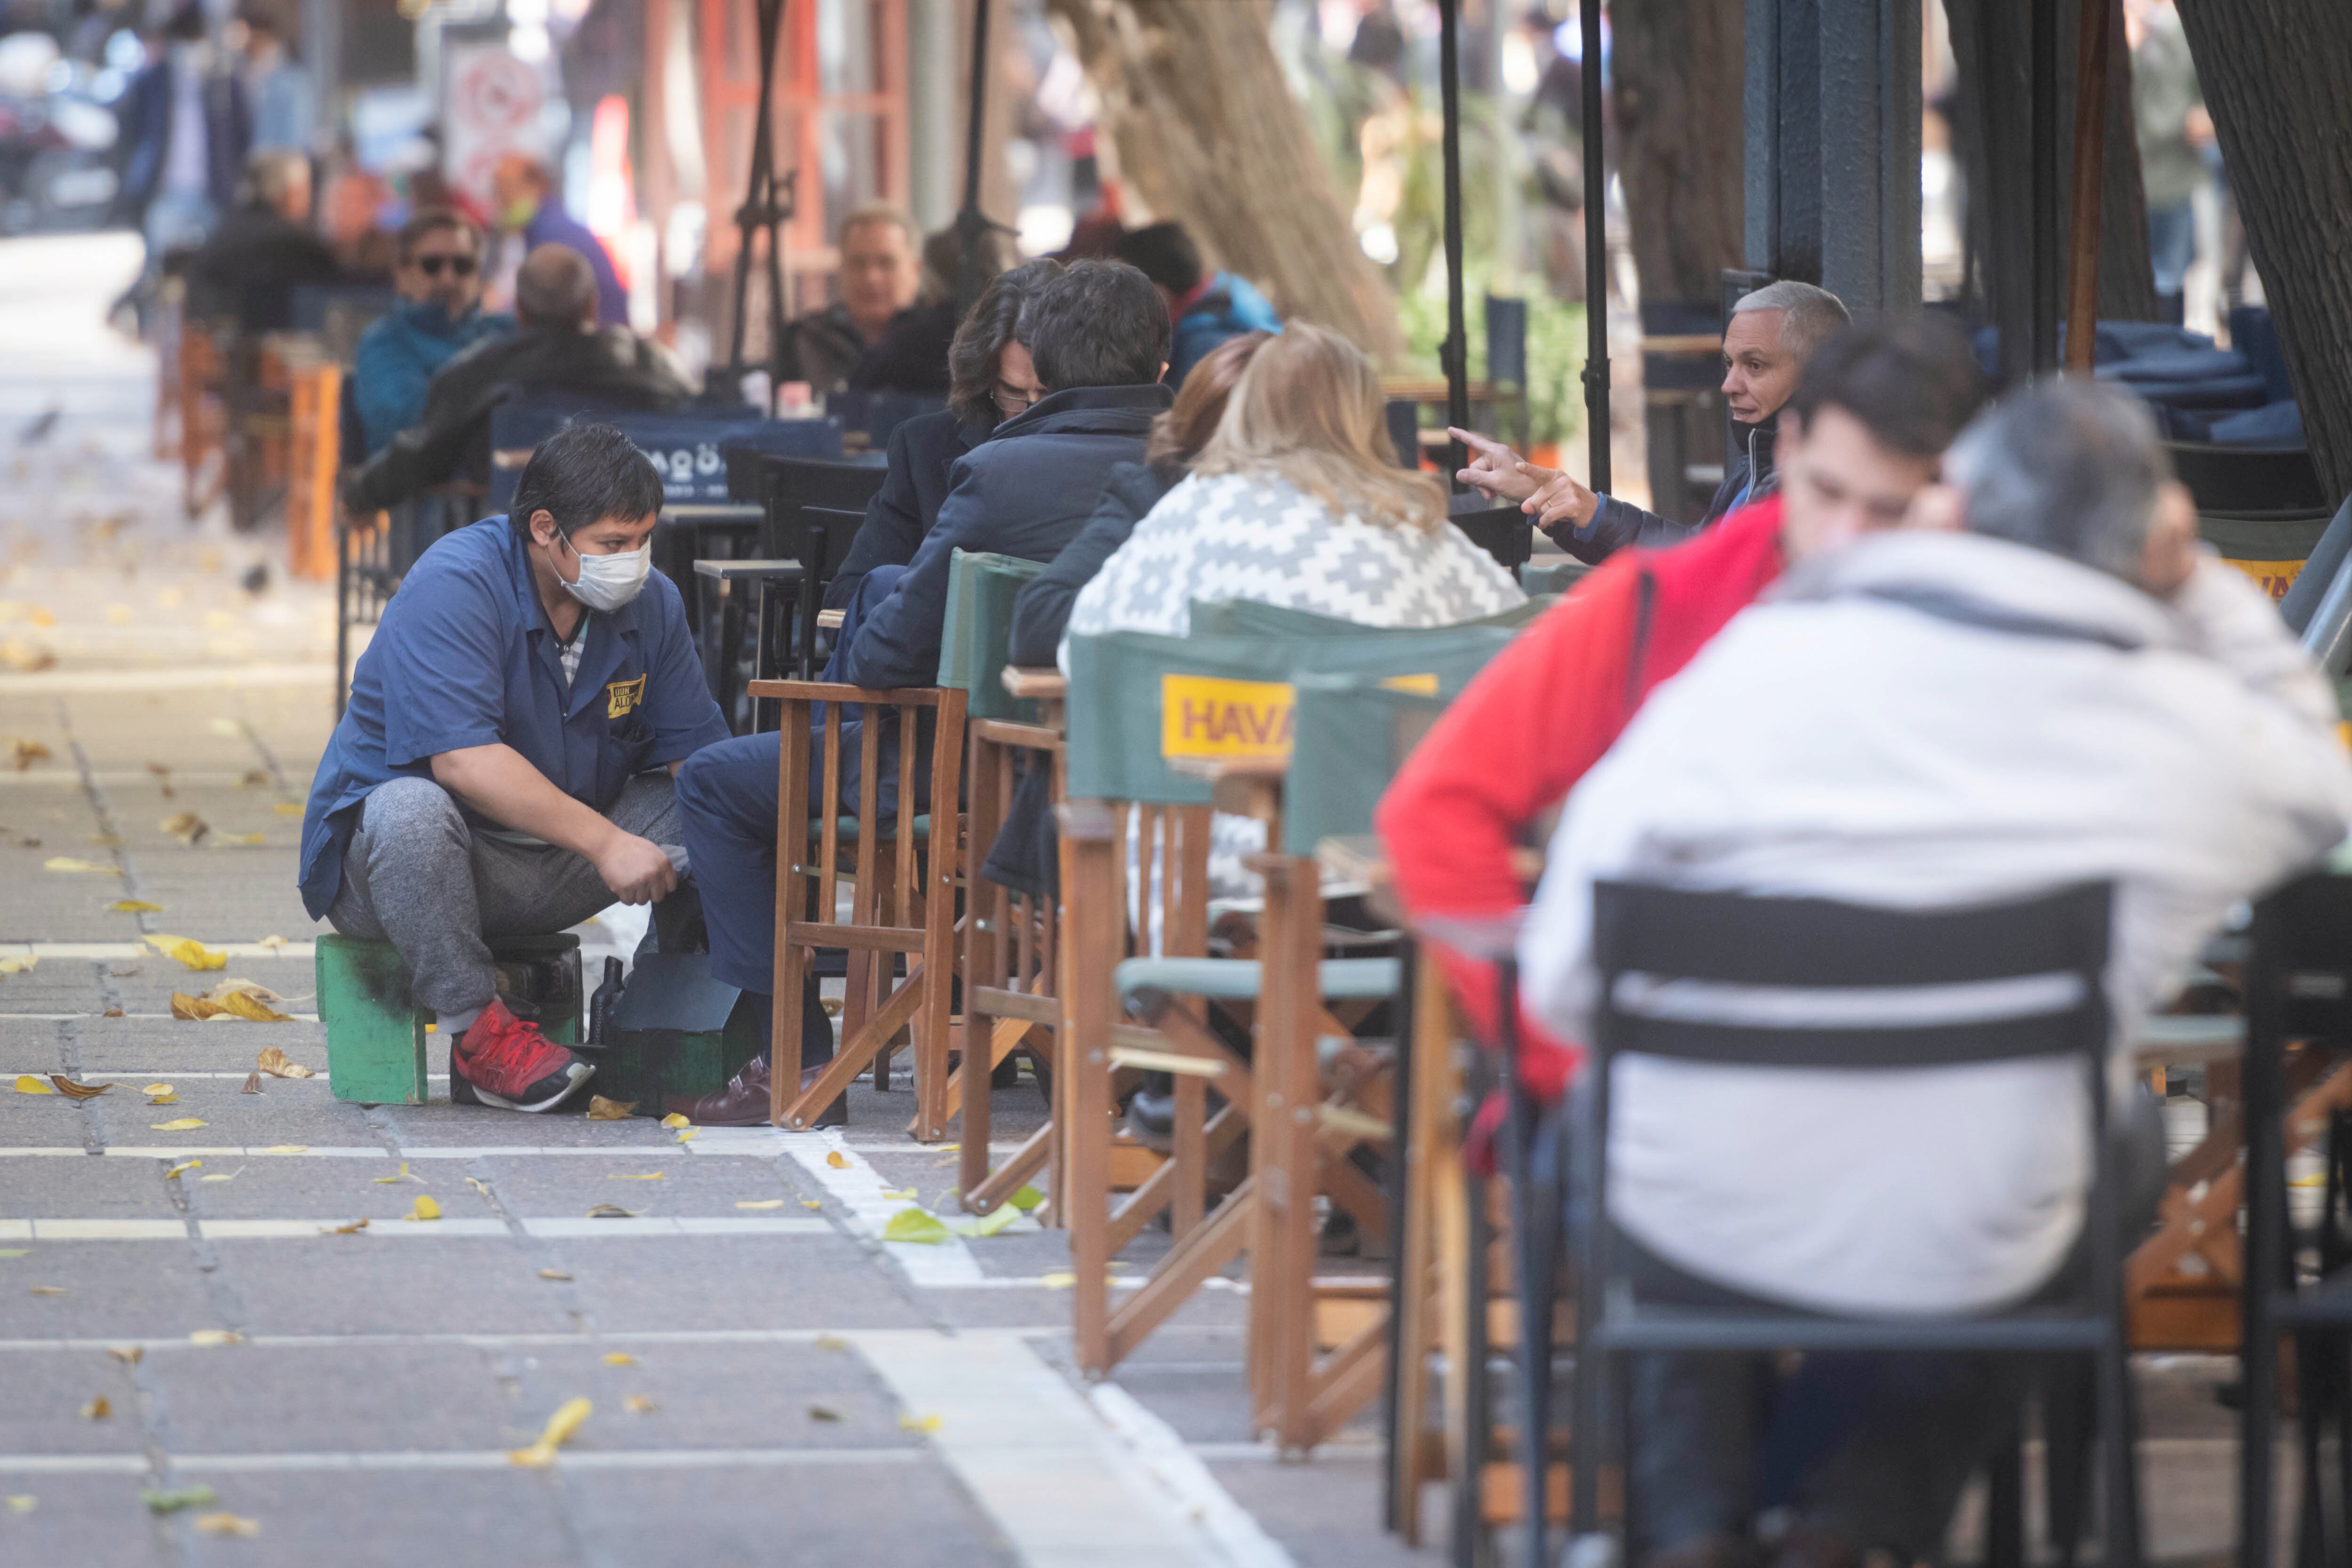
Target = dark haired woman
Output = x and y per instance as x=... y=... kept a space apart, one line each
x=989 y=380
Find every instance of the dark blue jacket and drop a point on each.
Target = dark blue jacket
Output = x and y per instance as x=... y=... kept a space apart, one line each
x=1041 y=612
x=1025 y=491
x=923 y=452
x=146 y=126
x=552 y=225
x=1617 y=523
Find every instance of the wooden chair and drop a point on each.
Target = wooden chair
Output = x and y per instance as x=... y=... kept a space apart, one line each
x=315 y=463
x=902 y=886
x=1140 y=710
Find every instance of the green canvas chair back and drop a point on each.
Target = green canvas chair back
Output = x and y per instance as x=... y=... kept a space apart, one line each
x=1551 y=577
x=1140 y=702
x=1351 y=734
x=1248 y=618
x=977 y=631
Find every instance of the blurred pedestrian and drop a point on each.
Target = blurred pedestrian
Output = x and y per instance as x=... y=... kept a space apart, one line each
x=881 y=271
x=439 y=279
x=529 y=204
x=279 y=88
x=263 y=250
x=2168 y=109
x=1205 y=308
x=187 y=123
x=912 y=356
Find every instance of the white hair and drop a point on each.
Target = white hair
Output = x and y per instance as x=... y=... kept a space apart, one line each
x=1810 y=317
x=2068 y=466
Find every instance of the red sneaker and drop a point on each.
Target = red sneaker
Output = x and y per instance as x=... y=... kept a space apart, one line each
x=506 y=1062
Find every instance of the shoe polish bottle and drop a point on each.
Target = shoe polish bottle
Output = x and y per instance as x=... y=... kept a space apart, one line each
x=601 y=1005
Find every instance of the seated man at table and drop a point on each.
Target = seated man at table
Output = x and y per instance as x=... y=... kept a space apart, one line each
x=1773 y=333
x=439 y=272
x=559 y=353
x=1099 y=336
x=504 y=768
x=2070 y=690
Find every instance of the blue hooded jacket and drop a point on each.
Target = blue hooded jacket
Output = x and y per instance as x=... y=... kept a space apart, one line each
x=398 y=356
x=1229 y=308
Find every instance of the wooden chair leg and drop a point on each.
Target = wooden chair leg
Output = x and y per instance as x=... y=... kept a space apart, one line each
x=1085 y=1071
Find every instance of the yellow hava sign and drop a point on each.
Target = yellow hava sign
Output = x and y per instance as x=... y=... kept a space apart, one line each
x=1202 y=716
x=1206 y=717
x=2276 y=576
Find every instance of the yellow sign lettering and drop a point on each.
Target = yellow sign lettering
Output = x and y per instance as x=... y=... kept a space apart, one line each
x=1201 y=716
x=2276 y=576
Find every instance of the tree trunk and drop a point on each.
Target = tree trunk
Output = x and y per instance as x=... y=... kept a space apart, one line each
x=2127 y=283
x=2273 y=75
x=1678 y=67
x=1209 y=134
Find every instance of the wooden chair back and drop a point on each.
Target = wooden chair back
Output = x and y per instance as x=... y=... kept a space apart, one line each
x=900 y=872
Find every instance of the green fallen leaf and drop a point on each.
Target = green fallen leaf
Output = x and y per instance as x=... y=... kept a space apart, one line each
x=14 y=1251
x=915 y=1225
x=173 y=1500
x=1027 y=1198
x=990 y=1223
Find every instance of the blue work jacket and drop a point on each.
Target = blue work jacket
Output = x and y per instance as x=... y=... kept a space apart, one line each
x=463 y=656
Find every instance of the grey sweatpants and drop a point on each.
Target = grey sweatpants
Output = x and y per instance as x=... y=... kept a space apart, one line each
x=417 y=876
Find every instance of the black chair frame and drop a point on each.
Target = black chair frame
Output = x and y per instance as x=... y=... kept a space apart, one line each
x=1736 y=941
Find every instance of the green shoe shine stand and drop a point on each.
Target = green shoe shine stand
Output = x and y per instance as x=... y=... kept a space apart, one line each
x=376 y=1032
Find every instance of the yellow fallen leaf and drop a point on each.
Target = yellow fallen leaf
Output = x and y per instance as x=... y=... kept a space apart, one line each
x=129 y=1355
x=221 y=840
x=824 y=1413
x=901 y=1194
x=246 y=1006
x=812 y=1202
x=166 y=1098
x=67 y=863
x=918 y=1423
x=476 y=1183
x=424 y=1208
x=1058 y=1280
x=567 y=1420
x=272 y=943
x=135 y=907
x=23 y=1503
x=602 y=1109
x=73 y=1090
x=182 y=1168
x=687 y=1136
x=675 y=1120
x=837 y=1160
x=287 y=1148
x=611 y=1211
x=231 y=1176
x=286 y=808
x=97 y=1409
x=647 y=1176
x=179 y=1124
x=194 y=1009
x=273 y=1062
x=226 y=1524
x=400 y=1176
x=114 y=1013
x=18 y=966
x=157 y=1089
x=639 y=1404
x=353 y=1228
x=45 y=1290
x=619 y=1358
x=553 y=1274
x=26 y=753
x=189 y=952
x=830 y=1342
x=186 y=827
x=914 y=1225
x=213 y=1337
x=29 y=1084
x=759 y=1203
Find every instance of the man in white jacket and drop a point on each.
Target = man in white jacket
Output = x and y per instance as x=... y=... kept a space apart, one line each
x=2069 y=691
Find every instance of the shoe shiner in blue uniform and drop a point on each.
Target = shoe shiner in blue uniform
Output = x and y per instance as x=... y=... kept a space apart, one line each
x=504 y=769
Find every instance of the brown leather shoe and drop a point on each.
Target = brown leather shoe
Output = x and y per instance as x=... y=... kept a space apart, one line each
x=744 y=1101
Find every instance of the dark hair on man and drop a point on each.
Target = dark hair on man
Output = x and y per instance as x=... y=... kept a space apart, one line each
x=554 y=287
x=584 y=474
x=433 y=220
x=1164 y=253
x=1100 y=323
x=993 y=321
x=1910 y=379
x=261 y=19
x=186 y=24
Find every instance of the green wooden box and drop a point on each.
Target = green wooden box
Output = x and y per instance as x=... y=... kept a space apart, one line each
x=376 y=1032
x=676 y=1031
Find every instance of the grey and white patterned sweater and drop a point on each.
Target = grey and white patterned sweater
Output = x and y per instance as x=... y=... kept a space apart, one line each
x=1259 y=537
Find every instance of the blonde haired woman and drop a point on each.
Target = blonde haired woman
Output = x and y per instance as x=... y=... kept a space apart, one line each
x=1297 y=500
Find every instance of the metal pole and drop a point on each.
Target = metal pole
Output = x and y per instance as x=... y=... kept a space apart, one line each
x=1455 y=354
x=2090 y=167
x=2046 y=260
x=970 y=224
x=1596 y=253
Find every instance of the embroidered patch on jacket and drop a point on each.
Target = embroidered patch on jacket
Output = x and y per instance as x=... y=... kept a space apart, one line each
x=622 y=696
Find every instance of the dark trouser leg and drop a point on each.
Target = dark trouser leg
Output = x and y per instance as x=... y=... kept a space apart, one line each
x=408 y=880
x=816 y=1029
x=727 y=798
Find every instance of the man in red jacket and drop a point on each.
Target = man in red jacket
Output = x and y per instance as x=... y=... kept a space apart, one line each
x=1864 y=431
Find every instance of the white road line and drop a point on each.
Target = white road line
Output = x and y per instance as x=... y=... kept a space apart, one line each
x=565 y=1228
x=302 y=949
x=1065 y=1487
x=858 y=1188
x=457 y=1459
x=1196 y=1493
x=167 y=678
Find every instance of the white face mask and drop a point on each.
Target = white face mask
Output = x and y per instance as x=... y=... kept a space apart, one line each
x=608 y=581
